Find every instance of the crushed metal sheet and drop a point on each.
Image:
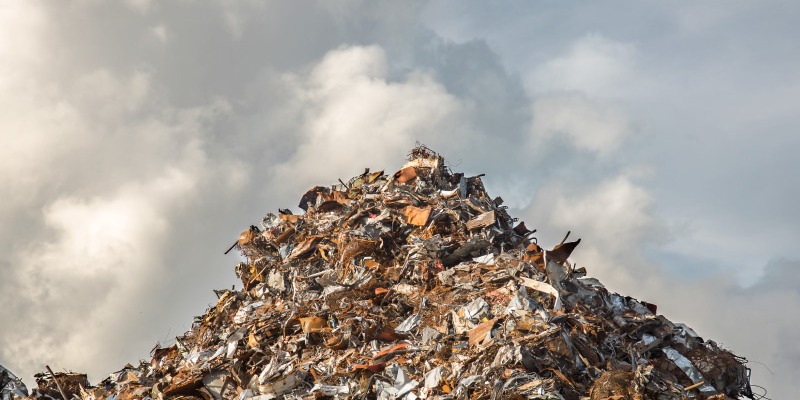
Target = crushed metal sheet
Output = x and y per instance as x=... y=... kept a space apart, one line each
x=481 y=221
x=11 y=387
x=544 y=288
x=684 y=364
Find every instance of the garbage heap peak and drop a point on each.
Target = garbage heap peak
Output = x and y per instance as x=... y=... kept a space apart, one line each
x=415 y=285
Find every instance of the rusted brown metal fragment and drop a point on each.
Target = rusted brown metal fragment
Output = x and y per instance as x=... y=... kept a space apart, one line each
x=185 y=383
x=417 y=216
x=522 y=230
x=313 y=324
x=477 y=334
x=305 y=248
x=406 y=175
x=562 y=251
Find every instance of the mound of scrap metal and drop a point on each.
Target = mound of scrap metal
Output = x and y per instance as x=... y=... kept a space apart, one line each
x=419 y=285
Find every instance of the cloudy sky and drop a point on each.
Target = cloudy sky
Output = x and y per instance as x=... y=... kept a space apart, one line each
x=140 y=137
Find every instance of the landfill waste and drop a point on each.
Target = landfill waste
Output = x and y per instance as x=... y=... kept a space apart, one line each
x=415 y=285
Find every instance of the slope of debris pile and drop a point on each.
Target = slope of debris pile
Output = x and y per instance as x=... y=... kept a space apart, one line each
x=418 y=285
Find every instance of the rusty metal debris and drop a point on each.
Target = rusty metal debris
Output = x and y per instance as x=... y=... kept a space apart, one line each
x=60 y=385
x=418 y=285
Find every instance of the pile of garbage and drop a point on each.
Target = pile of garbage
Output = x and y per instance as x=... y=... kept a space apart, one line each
x=418 y=285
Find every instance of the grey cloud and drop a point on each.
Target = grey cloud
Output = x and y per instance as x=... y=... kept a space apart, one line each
x=710 y=91
x=140 y=137
x=779 y=275
x=757 y=323
x=618 y=224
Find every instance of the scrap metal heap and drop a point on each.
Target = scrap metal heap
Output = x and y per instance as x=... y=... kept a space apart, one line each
x=420 y=285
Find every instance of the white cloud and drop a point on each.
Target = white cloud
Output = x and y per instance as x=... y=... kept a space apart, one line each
x=339 y=69
x=160 y=32
x=21 y=26
x=97 y=170
x=111 y=201
x=589 y=125
x=349 y=105
x=102 y=257
x=593 y=65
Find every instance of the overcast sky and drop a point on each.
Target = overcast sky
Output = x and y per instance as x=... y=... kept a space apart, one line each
x=140 y=137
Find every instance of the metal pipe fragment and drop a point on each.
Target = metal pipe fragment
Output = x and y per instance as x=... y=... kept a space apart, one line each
x=58 y=385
